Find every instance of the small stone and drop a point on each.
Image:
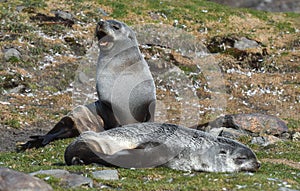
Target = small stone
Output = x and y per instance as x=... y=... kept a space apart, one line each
x=67 y=179
x=245 y=43
x=64 y=15
x=75 y=180
x=285 y=135
x=17 y=89
x=53 y=172
x=82 y=78
x=265 y=140
x=14 y=180
x=11 y=52
x=296 y=136
x=216 y=131
x=106 y=174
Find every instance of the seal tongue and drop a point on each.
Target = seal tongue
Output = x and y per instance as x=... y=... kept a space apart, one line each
x=105 y=40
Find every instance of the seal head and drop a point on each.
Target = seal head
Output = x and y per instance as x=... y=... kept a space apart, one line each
x=110 y=32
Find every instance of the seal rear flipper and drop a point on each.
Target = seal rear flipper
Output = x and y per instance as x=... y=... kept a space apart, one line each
x=80 y=119
x=65 y=128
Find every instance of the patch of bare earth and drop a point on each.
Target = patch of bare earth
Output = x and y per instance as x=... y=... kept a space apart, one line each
x=283 y=161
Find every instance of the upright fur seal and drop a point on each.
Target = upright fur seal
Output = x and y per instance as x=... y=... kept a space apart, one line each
x=125 y=85
x=125 y=88
x=143 y=145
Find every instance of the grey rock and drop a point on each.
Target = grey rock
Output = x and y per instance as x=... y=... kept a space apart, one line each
x=64 y=15
x=11 y=180
x=103 y=12
x=53 y=172
x=296 y=136
x=252 y=124
x=216 y=131
x=17 y=89
x=106 y=174
x=67 y=179
x=232 y=133
x=245 y=43
x=75 y=180
x=11 y=52
x=265 y=140
x=286 y=189
x=82 y=78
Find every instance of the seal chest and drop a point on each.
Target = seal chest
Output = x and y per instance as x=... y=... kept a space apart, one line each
x=124 y=84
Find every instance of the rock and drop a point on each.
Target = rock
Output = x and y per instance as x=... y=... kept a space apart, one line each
x=82 y=78
x=286 y=189
x=54 y=172
x=106 y=174
x=67 y=179
x=251 y=124
x=11 y=52
x=17 y=89
x=64 y=15
x=13 y=180
x=296 y=136
x=75 y=180
x=245 y=43
x=232 y=133
x=265 y=140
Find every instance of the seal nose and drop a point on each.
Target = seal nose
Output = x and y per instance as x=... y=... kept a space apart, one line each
x=258 y=164
x=101 y=23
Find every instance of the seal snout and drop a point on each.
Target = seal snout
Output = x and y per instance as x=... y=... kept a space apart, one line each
x=103 y=34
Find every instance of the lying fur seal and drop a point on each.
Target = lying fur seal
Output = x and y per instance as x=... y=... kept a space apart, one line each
x=125 y=88
x=143 y=145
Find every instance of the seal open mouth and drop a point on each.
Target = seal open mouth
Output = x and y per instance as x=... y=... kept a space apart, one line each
x=104 y=39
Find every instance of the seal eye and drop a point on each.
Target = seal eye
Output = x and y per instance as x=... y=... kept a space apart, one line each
x=115 y=27
x=240 y=160
x=222 y=152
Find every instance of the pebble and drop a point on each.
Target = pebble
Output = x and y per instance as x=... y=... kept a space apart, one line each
x=68 y=179
x=296 y=136
x=245 y=43
x=265 y=140
x=11 y=52
x=106 y=174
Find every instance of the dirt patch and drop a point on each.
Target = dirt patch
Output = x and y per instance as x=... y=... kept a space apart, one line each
x=284 y=161
x=11 y=136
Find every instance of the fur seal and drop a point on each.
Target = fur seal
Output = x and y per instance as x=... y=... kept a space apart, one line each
x=125 y=89
x=124 y=83
x=143 y=145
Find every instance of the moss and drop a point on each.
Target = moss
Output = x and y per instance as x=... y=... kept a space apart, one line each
x=293 y=124
x=285 y=27
x=14 y=123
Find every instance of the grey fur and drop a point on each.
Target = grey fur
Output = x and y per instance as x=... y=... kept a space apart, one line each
x=124 y=84
x=143 y=145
